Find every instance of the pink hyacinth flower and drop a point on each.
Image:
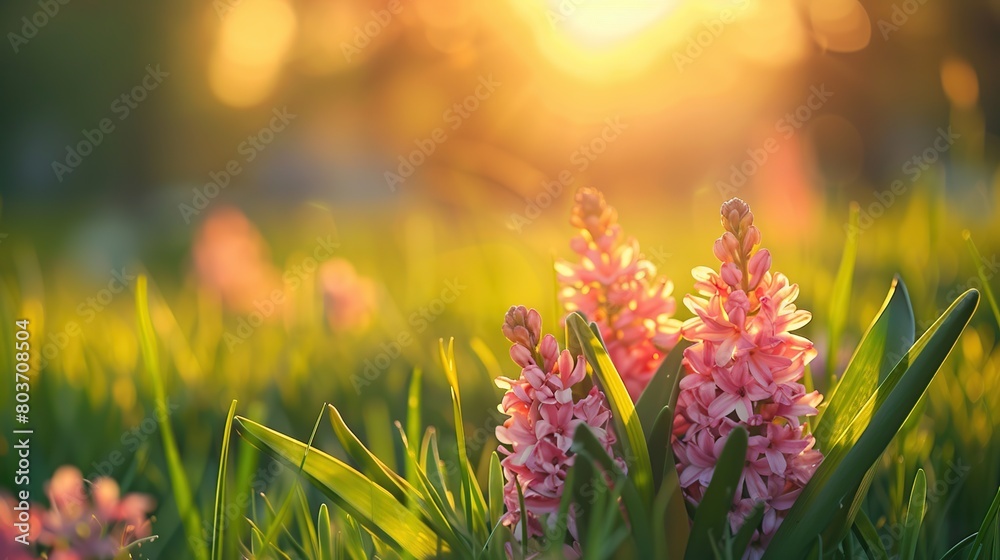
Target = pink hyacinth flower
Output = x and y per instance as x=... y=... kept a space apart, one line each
x=96 y=526
x=614 y=286
x=744 y=370
x=543 y=416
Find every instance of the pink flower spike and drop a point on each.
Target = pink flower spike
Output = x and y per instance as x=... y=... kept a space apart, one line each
x=613 y=285
x=542 y=420
x=744 y=370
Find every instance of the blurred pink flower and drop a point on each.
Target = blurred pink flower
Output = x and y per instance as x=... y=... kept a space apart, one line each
x=98 y=526
x=231 y=260
x=349 y=298
x=11 y=549
x=615 y=287
x=744 y=370
x=543 y=417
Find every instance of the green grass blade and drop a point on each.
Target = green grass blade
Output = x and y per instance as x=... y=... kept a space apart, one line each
x=981 y=270
x=668 y=507
x=496 y=489
x=986 y=529
x=585 y=444
x=474 y=503
x=742 y=538
x=370 y=504
x=850 y=456
x=840 y=298
x=662 y=388
x=286 y=505
x=380 y=473
x=523 y=523
x=885 y=342
x=914 y=516
x=218 y=523
x=627 y=423
x=711 y=519
x=413 y=410
x=178 y=478
x=955 y=551
x=865 y=531
x=324 y=533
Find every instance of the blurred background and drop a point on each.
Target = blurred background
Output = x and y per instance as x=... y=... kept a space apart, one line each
x=319 y=190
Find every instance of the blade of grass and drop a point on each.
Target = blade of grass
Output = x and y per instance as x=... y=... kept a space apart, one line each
x=357 y=495
x=875 y=425
x=914 y=516
x=585 y=443
x=662 y=388
x=218 y=523
x=178 y=478
x=711 y=519
x=981 y=270
x=627 y=423
x=743 y=537
x=955 y=551
x=420 y=503
x=868 y=537
x=323 y=527
x=279 y=519
x=668 y=506
x=840 y=298
x=986 y=529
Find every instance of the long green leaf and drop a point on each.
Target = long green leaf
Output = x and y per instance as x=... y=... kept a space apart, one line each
x=218 y=523
x=496 y=489
x=324 y=533
x=627 y=423
x=840 y=299
x=868 y=537
x=668 y=507
x=743 y=537
x=986 y=530
x=981 y=270
x=711 y=519
x=914 y=516
x=885 y=342
x=585 y=443
x=474 y=503
x=850 y=456
x=178 y=478
x=662 y=388
x=373 y=506
x=956 y=550
x=286 y=504
x=400 y=488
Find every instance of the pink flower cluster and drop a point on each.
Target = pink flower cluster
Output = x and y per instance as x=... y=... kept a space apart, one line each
x=77 y=526
x=614 y=286
x=744 y=370
x=543 y=417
